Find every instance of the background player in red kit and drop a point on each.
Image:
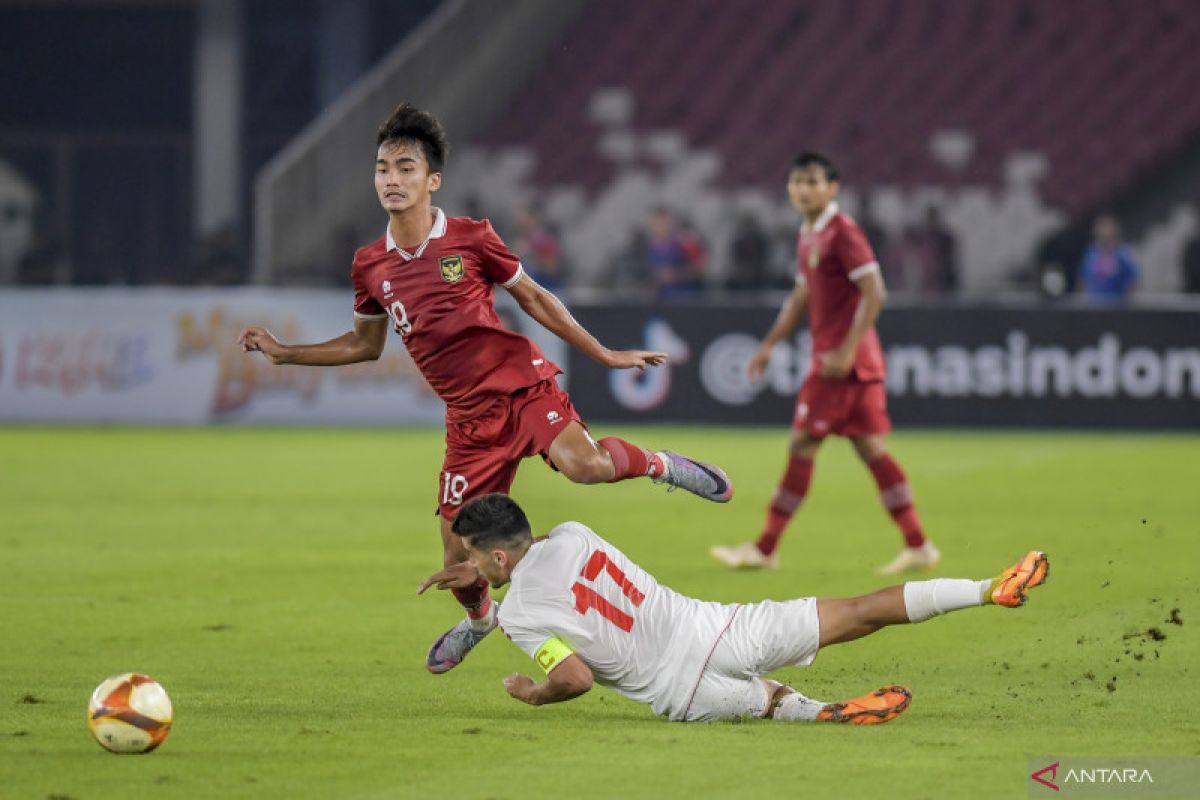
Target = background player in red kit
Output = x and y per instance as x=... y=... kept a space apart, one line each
x=839 y=284
x=434 y=276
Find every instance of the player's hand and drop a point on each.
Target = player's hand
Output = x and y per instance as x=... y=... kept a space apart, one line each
x=758 y=364
x=455 y=576
x=263 y=341
x=630 y=359
x=835 y=363
x=519 y=686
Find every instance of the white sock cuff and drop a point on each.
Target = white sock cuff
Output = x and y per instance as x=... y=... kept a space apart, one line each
x=925 y=599
x=795 y=707
x=488 y=620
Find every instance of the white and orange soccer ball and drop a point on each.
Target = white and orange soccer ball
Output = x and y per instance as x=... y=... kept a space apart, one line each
x=130 y=713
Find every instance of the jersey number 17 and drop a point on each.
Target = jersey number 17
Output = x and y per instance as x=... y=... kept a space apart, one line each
x=588 y=598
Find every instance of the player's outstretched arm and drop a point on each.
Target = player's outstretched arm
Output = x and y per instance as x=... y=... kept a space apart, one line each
x=566 y=681
x=789 y=317
x=364 y=343
x=552 y=315
x=455 y=576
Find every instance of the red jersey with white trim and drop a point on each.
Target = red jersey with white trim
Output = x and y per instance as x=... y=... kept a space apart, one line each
x=831 y=255
x=440 y=298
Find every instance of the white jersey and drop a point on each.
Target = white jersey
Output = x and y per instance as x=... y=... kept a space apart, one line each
x=638 y=637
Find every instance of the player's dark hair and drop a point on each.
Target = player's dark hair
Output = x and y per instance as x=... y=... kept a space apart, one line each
x=810 y=158
x=410 y=124
x=492 y=521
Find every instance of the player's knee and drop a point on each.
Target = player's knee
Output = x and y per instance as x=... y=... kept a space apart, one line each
x=804 y=446
x=870 y=447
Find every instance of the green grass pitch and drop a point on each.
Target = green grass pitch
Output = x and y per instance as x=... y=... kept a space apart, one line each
x=267 y=578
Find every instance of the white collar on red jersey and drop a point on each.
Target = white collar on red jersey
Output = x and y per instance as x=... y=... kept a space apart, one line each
x=829 y=213
x=436 y=232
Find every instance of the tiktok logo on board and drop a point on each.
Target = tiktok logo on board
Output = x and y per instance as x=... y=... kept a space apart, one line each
x=642 y=390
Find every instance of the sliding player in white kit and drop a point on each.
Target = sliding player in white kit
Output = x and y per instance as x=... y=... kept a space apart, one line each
x=586 y=613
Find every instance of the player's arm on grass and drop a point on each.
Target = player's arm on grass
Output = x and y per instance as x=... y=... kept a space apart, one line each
x=552 y=315
x=364 y=343
x=837 y=363
x=566 y=680
x=789 y=317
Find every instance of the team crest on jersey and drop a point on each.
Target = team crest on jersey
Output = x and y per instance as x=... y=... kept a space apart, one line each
x=387 y=288
x=814 y=257
x=452 y=268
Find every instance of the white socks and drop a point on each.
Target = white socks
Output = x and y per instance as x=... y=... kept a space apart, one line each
x=487 y=621
x=795 y=707
x=925 y=599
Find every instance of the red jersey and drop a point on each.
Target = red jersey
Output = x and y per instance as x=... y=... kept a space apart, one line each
x=440 y=300
x=832 y=254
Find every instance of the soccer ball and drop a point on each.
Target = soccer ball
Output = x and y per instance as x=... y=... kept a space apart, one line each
x=130 y=713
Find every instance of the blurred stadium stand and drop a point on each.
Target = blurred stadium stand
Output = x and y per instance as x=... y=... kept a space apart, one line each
x=1019 y=120
x=313 y=199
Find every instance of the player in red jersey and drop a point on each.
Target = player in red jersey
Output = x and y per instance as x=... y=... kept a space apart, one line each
x=434 y=276
x=839 y=284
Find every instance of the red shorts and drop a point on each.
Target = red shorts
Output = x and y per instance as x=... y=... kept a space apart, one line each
x=482 y=453
x=846 y=407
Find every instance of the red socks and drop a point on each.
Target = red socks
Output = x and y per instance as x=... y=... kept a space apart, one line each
x=629 y=460
x=897 y=498
x=893 y=490
x=474 y=599
x=787 y=498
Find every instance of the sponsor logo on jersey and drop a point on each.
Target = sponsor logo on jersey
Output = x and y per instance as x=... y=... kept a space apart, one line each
x=387 y=288
x=452 y=268
x=553 y=417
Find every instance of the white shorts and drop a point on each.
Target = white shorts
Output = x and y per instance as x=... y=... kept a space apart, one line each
x=761 y=638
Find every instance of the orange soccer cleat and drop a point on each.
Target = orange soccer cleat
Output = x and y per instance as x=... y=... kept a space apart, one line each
x=1011 y=587
x=872 y=708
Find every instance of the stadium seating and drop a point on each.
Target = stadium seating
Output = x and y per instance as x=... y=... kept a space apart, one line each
x=872 y=81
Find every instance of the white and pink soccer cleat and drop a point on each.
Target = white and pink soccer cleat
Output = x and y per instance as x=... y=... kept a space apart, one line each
x=452 y=647
x=703 y=480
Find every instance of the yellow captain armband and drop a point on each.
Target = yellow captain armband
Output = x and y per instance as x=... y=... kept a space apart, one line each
x=551 y=654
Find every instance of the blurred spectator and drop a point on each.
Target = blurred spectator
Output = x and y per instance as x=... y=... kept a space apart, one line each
x=628 y=270
x=1107 y=273
x=876 y=235
x=538 y=250
x=784 y=257
x=910 y=262
x=694 y=249
x=750 y=254
x=945 y=253
x=1056 y=260
x=18 y=199
x=45 y=263
x=218 y=259
x=673 y=259
x=472 y=207
x=1191 y=265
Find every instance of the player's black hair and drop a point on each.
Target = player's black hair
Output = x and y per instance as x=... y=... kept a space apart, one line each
x=492 y=521
x=410 y=124
x=811 y=158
